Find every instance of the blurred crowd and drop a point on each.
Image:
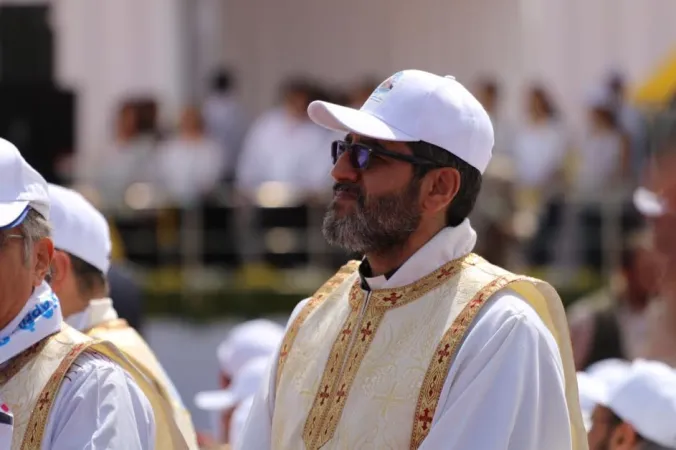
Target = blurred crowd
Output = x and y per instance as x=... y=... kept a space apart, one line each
x=555 y=198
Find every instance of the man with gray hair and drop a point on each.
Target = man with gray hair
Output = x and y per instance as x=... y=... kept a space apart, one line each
x=60 y=389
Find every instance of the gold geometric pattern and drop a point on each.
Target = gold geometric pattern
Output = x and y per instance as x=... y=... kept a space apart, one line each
x=319 y=296
x=437 y=371
x=352 y=344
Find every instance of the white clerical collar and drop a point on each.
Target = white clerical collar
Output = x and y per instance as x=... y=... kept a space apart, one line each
x=449 y=244
x=99 y=311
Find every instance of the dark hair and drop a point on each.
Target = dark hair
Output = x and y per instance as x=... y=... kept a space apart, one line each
x=222 y=81
x=90 y=280
x=490 y=86
x=470 y=179
x=539 y=93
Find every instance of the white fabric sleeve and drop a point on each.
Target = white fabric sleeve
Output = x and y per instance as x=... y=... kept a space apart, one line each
x=505 y=390
x=257 y=433
x=99 y=406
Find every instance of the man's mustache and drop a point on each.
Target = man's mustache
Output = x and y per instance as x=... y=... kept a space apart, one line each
x=350 y=188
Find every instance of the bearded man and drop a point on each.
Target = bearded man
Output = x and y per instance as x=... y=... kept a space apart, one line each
x=422 y=344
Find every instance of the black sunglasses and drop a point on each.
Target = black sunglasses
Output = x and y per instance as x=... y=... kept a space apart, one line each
x=360 y=154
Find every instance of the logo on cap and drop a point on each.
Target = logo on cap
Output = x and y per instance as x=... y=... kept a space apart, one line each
x=384 y=88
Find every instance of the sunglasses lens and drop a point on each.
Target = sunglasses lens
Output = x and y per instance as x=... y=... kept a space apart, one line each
x=360 y=156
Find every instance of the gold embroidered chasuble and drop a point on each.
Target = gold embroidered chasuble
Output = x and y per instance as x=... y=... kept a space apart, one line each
x=30 y=382
x=139 y=353
x=377 y=383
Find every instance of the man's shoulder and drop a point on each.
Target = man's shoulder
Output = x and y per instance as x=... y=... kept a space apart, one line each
x=507 y=311
x=92 y=365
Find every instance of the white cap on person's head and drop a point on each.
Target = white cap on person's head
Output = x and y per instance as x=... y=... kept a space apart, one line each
x=247 y=341
x=412 y=106
x=592 y=392
x=244 y=384
x=79 y=228
x=649 y=203
x=21 y=188
x=646 y=400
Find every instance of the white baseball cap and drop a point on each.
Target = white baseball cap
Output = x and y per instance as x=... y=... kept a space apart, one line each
x=610 y=372
x=592 y=392
x=247 y=341
x=79 y=228
x=413 y=105
x=649 y=203
x=21 y=188
x=647 y=401
x=244 y=384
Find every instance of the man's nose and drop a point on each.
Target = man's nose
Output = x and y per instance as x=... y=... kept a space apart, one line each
x=343 y=170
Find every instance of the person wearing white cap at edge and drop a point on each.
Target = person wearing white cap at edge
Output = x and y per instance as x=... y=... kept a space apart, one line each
x=247 y=341
x=421 y=344
x=657 y=202
x=223 y=403
x=64 y=390
x=592 y=392
x=639 y=413
x=79 y=278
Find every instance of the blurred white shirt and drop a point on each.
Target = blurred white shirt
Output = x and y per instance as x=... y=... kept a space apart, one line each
x=284 y=149
x=600 y=162
x=188 y=168
x=226 y=123
x=539 y=153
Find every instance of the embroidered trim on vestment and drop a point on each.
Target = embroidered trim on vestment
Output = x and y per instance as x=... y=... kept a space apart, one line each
x=437 y=371
x=345 y=359
x=319 y=296
x=38 y=420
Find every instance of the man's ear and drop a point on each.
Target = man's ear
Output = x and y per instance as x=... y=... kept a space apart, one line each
x=60 y=269
x=623 y=437
x=43 y=253
x=439 y=188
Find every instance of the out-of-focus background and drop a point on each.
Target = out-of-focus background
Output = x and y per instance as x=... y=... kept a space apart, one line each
x=184 y=122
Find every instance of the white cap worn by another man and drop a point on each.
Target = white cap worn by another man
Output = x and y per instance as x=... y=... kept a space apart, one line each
x=22 y=188
x=646 y=400
x=247 y=341
x=79 y=228
x=596 y=381
x=412 y=106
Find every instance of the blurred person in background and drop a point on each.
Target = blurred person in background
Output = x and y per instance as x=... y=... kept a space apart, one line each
x=539 y=154
x=189 y=164
x=657 y=201
x=611 y=323
x=63 y=389
x=223 y=404
x=225 y=119
x=631 y=121
x=493 y=216
x=540 y=146
x=130 y=160
x=356 y=368
x=245 y=343
x=78 y=277
x=283 y=145
x=604 y=160
x=639 y=413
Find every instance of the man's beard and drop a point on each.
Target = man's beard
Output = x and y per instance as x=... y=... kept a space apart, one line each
x=377 y=224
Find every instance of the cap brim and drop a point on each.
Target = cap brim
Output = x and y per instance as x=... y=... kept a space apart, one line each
x=648 y=203
x=12 y=214
x=340 y=118
x=215 y=400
